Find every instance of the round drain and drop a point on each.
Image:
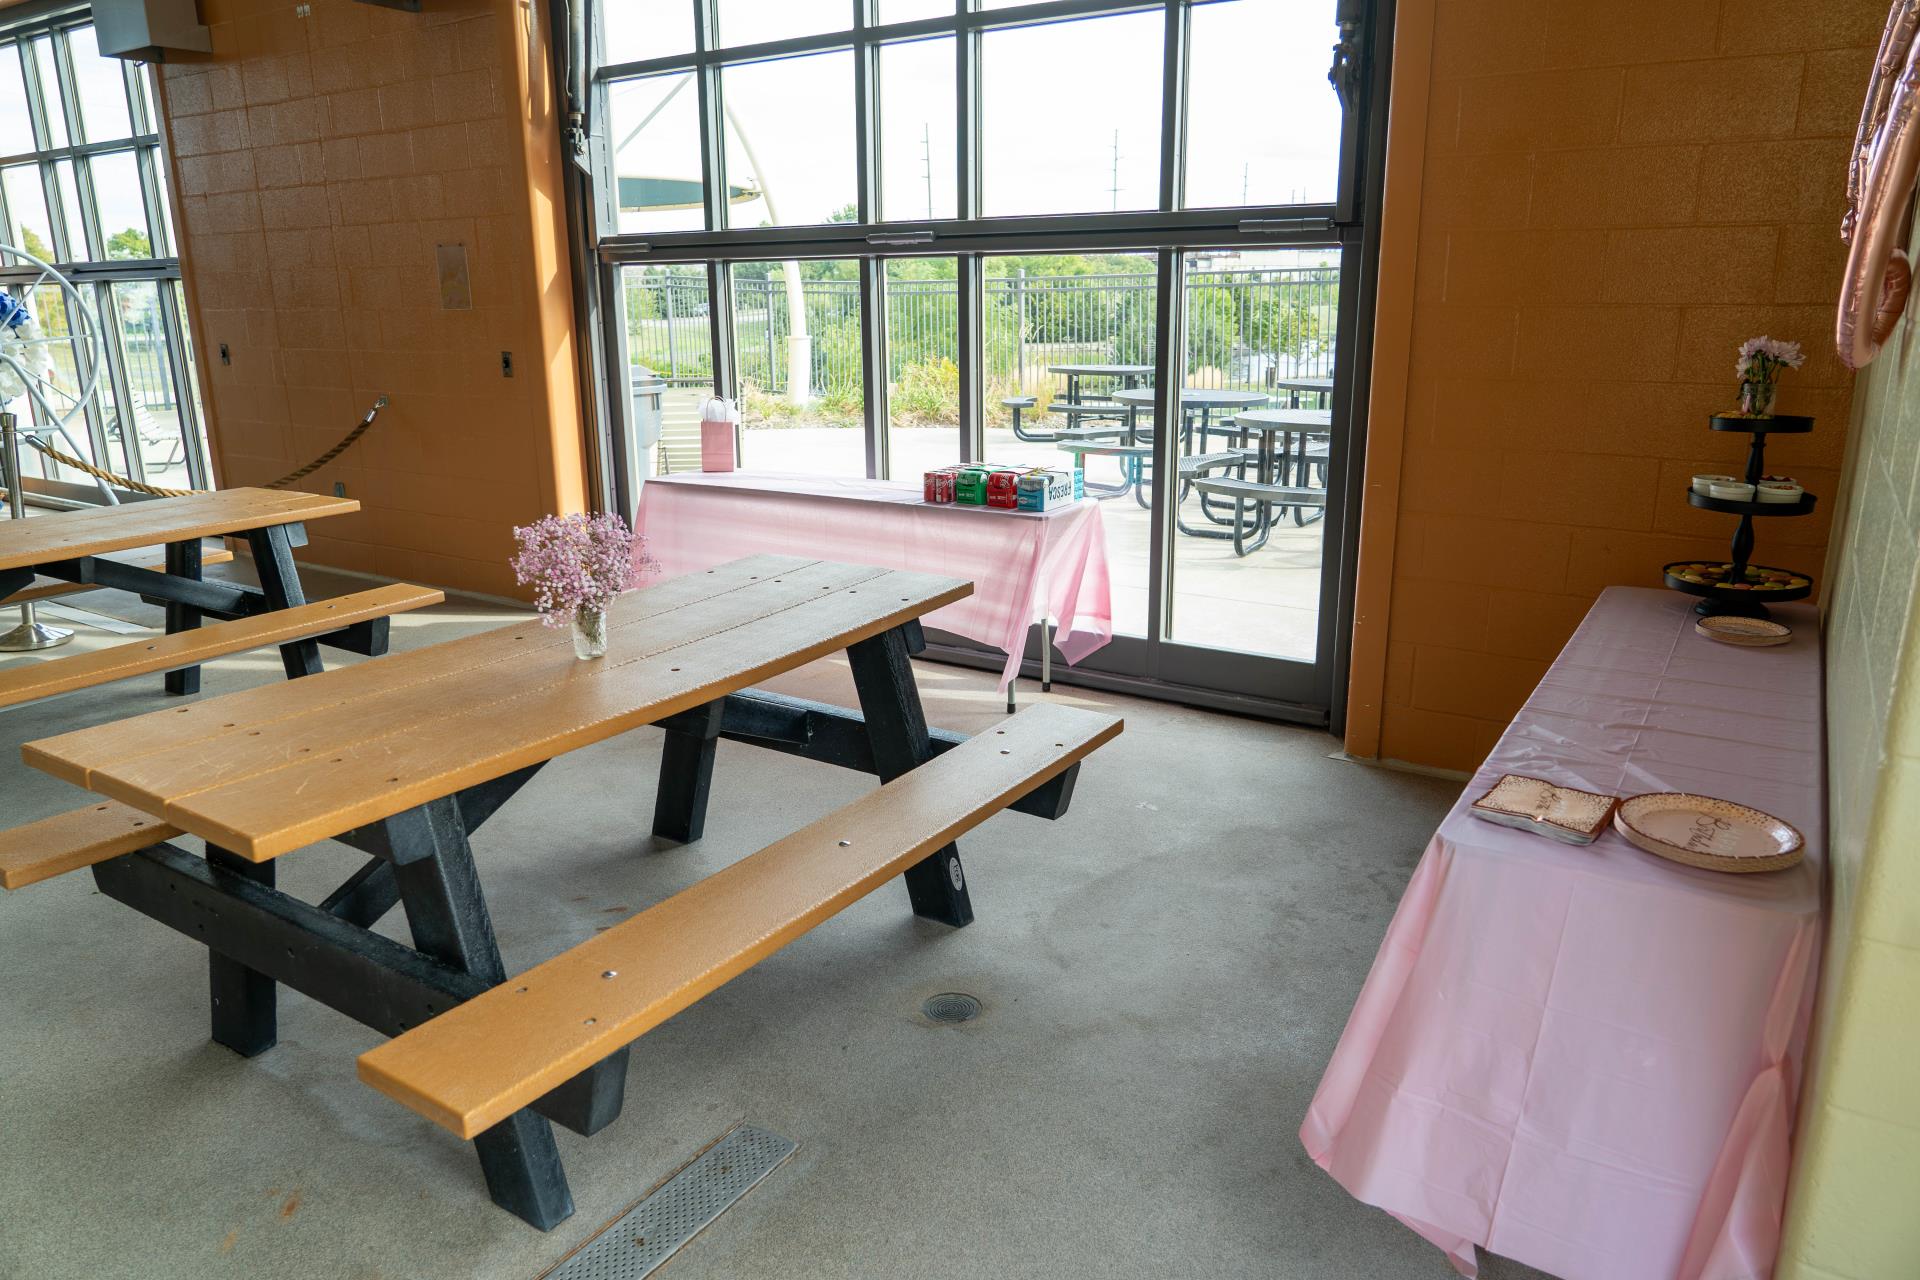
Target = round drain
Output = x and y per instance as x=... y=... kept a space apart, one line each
x=951 y=1007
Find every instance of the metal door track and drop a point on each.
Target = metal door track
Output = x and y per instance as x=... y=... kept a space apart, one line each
x=639 y=1240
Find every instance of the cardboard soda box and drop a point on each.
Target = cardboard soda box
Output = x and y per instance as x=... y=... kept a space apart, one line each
x=1046 y=490
x=938 y=484
x=970 y=485
x=1003 y=488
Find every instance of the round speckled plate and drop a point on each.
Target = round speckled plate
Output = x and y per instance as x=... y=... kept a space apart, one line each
x=1751 y=633
x=1714 y=835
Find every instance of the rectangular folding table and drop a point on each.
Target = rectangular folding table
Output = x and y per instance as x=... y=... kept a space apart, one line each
x=1587 y=1058
x=1025 y=567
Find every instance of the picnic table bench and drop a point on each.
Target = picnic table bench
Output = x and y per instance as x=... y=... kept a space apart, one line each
x=405 y=757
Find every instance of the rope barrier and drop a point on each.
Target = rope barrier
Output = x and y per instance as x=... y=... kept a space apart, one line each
x=87 y=468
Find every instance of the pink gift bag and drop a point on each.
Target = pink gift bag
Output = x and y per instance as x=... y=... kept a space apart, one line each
x=719 y=421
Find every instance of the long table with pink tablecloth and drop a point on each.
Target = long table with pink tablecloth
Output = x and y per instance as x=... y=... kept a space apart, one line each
x=1025 y=567
x=1587 y=1058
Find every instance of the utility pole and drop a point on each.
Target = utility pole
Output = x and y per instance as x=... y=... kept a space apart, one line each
x=1114 y=190
x=926 y=164
x=1245 y=169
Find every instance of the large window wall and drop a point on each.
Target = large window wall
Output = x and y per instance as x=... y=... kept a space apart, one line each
x=81 y=188
x=902 y=233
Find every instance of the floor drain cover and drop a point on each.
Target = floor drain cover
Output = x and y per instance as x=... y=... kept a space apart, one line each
x=633 y=1244
x=952 y=1006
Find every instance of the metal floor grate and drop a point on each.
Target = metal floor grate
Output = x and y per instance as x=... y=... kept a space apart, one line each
x=645 y=1236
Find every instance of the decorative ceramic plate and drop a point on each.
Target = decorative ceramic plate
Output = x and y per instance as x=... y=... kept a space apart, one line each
x=1716 y=835
x=1752 y=633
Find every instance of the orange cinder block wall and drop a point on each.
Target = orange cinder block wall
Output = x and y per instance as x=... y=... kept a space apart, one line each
x=318 y=161
x=1588 y=208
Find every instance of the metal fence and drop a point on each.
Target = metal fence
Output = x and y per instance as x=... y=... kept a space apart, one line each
x=1245 y=328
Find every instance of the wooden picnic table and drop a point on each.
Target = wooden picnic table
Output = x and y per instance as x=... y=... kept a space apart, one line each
x=50 y=554
x=404 y=757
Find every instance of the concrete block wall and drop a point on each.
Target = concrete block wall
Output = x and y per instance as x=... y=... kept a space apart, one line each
x=320 y=159
x=1612 y=197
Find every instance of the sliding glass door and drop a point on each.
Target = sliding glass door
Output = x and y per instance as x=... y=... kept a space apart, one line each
x=1130 y=237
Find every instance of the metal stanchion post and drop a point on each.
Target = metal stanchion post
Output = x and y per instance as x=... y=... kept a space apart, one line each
x=31 y=633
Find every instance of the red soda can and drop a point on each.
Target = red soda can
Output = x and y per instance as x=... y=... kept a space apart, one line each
x=938 y=485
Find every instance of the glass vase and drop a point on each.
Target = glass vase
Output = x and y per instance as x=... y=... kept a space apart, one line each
x=589 y=633
x=1756 y=397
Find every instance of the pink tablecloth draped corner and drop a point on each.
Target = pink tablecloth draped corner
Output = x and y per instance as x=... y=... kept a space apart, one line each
x=1023 y=566
x=1586 y=1058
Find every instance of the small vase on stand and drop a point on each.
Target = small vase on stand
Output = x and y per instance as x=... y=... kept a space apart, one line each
x=1756 y=397
x=589 y=633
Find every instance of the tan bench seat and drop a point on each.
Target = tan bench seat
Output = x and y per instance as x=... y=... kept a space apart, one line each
x=52 y=588
x=68 y=841
x=211 y=640
x=477 y=1064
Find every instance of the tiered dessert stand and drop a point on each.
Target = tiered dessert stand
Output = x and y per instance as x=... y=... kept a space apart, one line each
x=1745 y=589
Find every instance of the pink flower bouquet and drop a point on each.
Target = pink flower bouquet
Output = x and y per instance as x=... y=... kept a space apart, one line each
x=1760 y=363
x=576 y=566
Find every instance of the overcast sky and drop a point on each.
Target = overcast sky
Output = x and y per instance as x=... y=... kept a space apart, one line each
x=1059 y=102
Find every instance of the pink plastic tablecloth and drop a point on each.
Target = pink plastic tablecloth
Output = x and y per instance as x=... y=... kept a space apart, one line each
x=1588 y=1059
x=1024 y=566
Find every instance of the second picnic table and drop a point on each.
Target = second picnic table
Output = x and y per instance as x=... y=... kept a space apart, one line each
x=52 y=554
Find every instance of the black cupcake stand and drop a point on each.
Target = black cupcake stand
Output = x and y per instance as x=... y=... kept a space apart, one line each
x=1745 y=589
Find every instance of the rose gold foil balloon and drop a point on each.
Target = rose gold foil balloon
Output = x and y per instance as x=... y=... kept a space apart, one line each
x=1880 y=181
x=1902 y=23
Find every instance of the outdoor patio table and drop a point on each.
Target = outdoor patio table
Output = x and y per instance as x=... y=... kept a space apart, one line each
x=1200 y=402
x=1128 y=375
x=1587 y=1058
x=1306 y=424
x=1311 y=386
x=1024 y=566
x=75 y=546
x=405 y=756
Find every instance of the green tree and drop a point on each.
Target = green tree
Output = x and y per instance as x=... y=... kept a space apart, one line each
x=1212 y=328
x=33 y=244
x=131 y=243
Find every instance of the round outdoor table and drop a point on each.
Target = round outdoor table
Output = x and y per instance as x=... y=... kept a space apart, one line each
x=1128 y=374
x=1297 y=386
x=1285 y=424
x=1205 y=401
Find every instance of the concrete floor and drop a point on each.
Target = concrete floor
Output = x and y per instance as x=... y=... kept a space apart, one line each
x=1164 y=973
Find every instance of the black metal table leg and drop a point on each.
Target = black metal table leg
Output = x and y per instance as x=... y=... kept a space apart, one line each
x=686 y=774
x=440 y=891
x=245 y=1016
x=183 y=561
x=280 y=583
x=897 y=728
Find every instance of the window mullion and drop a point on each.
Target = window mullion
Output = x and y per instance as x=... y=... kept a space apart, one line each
x=873 y=364
x=1169 y=360
x=199 y=475
x=966 y=121
x=970 y=352
x=113 y=350
x=1173 y=108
